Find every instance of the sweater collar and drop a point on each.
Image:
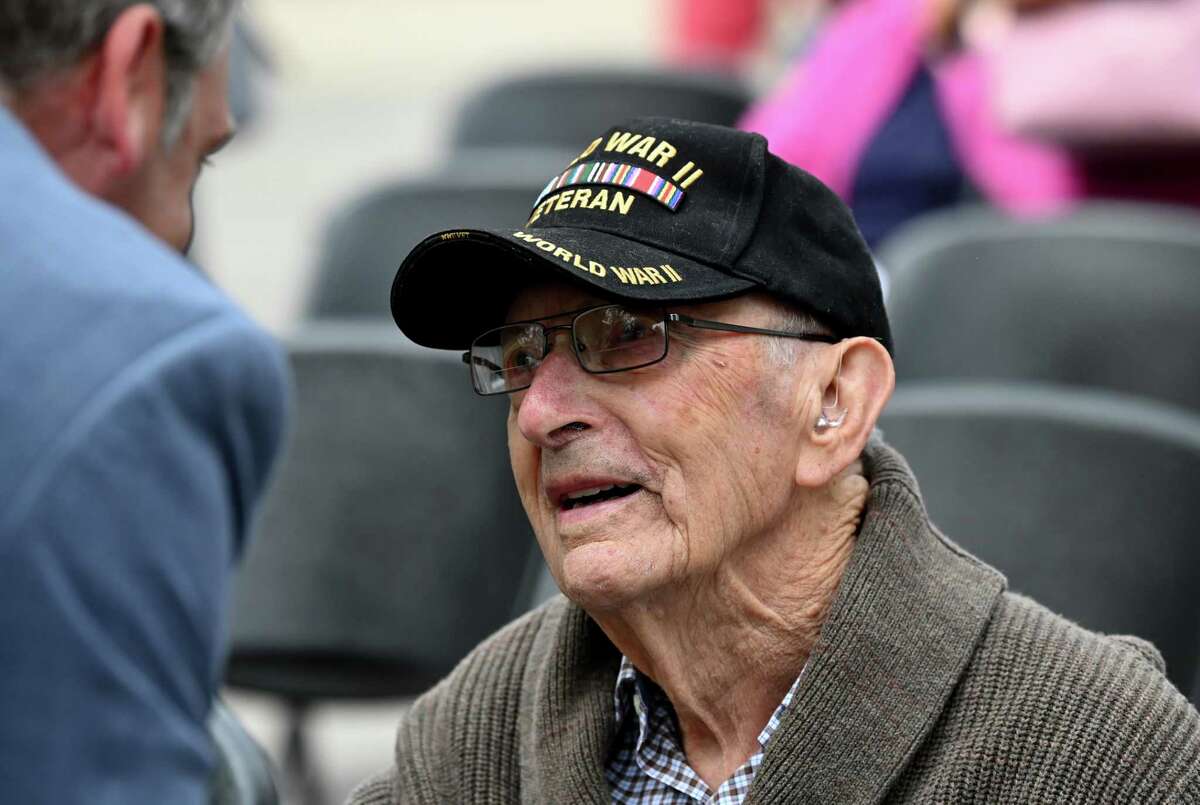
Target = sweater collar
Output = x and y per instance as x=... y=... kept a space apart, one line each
x=908 y=614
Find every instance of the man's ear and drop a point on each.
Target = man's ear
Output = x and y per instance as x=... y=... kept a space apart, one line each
x=129 y=95
x=856 y=375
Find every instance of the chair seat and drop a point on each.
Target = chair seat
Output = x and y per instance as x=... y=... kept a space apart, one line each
x=302 y=676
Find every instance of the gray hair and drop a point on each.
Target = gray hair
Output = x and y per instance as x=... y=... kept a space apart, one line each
x=41 y=37
x=782 y=352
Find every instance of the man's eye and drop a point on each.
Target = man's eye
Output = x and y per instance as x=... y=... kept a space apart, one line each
x=519 y=358
x=630 y=329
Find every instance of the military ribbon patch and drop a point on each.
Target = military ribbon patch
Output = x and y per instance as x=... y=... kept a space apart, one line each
x=614 y=173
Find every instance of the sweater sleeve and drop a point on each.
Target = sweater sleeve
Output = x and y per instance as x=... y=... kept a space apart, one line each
x=377 y=790
x=115 y=560
x=458 y=741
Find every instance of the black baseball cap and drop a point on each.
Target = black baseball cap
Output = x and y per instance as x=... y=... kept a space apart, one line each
x=660 y=211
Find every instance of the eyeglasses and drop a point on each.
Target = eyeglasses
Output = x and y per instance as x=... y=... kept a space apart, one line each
x=605 y=339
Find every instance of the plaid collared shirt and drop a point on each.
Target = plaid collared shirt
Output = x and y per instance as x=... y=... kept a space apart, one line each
x=646 y=764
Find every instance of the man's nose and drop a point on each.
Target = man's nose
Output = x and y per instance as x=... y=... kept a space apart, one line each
x=556 y=399
x=555 y=334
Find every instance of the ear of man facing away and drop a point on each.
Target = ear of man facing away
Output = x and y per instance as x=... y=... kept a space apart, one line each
x=100 y=118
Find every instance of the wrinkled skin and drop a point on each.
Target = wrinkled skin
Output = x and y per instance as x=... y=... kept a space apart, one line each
x=714 y=460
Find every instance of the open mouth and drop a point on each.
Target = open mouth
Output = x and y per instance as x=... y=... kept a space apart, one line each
x=588 y=497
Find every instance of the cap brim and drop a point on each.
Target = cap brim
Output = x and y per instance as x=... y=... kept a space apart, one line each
x=455 y=284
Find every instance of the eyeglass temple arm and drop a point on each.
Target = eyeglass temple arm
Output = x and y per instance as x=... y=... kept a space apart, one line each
x=466 y=358
x=705 y=324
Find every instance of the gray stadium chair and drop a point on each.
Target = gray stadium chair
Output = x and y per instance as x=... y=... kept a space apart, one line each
x=243 y=774
x=568 y=109
x=365 y=242
x=1085 y=500
x=1108 y=297
x=392 y=540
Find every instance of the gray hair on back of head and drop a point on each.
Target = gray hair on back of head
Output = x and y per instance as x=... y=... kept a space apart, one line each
x=41 y=37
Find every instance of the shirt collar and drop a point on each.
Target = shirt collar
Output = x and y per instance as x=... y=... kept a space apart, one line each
x=636 y=693
x=623 y=691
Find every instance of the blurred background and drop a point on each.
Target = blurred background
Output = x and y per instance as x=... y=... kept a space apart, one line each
x=346 y=96
x=1026 y=171
x=359 y=92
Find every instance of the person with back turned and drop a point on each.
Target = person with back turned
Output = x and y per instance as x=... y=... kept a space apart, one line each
x=140 y=411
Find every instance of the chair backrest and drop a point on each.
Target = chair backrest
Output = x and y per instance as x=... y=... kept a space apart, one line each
x=572 y=107
x=364 y=243
x=243 y=774
x=392 y=540
x=1084 y=500
x=1108 y=297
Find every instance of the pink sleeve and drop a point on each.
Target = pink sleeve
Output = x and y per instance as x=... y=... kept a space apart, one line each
x=829 y=106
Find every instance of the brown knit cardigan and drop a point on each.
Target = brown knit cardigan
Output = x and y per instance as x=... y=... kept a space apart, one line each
x=929 y=683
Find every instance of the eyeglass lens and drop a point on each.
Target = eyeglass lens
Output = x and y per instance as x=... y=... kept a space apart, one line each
x=606 y=339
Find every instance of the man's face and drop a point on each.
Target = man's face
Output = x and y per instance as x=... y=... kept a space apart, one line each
x=701 y=447
x=162 y=197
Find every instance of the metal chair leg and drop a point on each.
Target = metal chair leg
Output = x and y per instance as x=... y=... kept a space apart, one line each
x=301 y=777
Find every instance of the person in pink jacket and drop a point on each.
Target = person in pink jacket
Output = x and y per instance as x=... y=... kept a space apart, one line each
x=902 y=106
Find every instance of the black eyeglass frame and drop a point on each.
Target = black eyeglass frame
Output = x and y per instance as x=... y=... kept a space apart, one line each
x=667 y=319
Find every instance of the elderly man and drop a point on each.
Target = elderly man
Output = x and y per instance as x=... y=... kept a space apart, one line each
x=693 y=341
x=139 y=410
